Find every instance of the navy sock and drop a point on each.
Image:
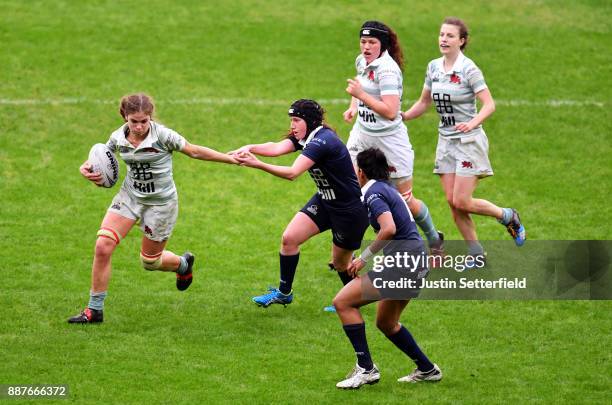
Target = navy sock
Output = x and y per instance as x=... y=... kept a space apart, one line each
x=406 y=343
x=357 y=335
x=424 y=221
x=288 y=265
x=344 y=277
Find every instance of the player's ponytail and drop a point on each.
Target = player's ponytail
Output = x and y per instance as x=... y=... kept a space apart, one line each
x=395 y=49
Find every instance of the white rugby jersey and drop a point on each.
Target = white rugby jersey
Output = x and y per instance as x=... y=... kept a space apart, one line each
x=380 y=78
x=454 y=93
x=149 y=175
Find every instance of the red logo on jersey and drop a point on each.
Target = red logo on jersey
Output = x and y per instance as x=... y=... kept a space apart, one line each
x=392 y=169
x=467 y=165
x=455 y=79
x=371 y=75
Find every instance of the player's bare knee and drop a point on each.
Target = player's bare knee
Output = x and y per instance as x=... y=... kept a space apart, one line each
x=339 y=304
x=104 y=248
x=289 y=242
x=151 y=262
x=386 y=326
x=462 y=204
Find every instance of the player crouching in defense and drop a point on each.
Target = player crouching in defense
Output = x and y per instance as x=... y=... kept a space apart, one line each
x=396 y=234
x=336 y=205
x=148 y=194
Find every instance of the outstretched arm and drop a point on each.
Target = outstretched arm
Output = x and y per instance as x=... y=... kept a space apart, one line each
x=267 y=149
x=204 y=153
x=300 y=165
x=419 y=107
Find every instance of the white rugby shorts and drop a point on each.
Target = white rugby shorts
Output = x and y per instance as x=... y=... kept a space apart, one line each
x=156 y=221
x=466 y=156
x=396 y=148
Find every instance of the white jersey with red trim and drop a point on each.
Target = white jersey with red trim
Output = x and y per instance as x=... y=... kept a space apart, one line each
x=454 y=93
x=380 y=78
x=149 y=176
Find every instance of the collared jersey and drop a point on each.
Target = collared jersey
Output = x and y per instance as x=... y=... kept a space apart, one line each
x=333 y=171
x=380 y=78
x=380 y=197
x=149 y=175
x=454 y=93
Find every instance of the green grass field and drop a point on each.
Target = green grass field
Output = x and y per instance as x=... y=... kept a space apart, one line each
x=223 y=75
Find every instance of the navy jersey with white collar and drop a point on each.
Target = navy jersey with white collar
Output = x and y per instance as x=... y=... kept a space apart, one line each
x=380 y=197
x=333 y=171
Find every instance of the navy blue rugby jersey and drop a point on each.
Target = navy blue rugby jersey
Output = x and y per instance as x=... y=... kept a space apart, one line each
x=333 y=171
x=380 y=197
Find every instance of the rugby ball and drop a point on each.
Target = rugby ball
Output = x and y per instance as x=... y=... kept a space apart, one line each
x=103 y=161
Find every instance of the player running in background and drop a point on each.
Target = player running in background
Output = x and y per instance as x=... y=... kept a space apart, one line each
x=376 y=101
x=148 y=195
x=454 y=83
x=396 y=234
x=336 y=205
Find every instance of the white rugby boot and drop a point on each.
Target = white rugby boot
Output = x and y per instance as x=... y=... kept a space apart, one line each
x=360 y=376
x=417 y=375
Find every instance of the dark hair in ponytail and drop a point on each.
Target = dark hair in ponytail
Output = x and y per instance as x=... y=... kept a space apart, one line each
x=387 y=37
x=374 y=164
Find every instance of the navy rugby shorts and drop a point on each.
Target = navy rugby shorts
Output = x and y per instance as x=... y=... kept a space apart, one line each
x=400 y=277
x=348 y=225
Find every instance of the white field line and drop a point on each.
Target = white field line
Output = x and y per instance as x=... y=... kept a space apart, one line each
x=271 y=102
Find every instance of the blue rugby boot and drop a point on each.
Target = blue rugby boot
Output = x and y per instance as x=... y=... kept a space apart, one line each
x=273 y=297
x=516 y=229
